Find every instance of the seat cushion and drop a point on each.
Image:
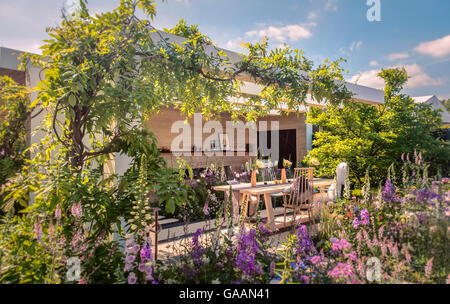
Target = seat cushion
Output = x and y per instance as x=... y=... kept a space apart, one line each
x=233 y=182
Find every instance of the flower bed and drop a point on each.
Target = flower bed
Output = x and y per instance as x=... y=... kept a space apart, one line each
x=399 y=236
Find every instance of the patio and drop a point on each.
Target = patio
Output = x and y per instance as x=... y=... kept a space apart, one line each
x=173 y=233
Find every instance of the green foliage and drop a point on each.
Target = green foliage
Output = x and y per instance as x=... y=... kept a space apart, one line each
x=15 y=109
x=105 y=74
x=446 y=103
x=372 y=138
x=22 y=258
x=34 y=252
x=409 y=222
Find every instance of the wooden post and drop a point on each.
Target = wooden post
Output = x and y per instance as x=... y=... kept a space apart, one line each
x=156 y=231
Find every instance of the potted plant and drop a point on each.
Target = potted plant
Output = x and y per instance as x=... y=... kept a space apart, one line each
x=286 y=164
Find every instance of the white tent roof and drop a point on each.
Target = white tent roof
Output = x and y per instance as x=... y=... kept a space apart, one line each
x=435 y=104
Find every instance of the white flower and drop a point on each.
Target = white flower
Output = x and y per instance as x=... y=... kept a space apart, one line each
x=216 y=281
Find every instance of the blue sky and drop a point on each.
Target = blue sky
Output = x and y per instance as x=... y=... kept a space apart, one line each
x=411 y=33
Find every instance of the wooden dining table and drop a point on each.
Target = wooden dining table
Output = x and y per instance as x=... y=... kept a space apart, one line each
x=266 y=189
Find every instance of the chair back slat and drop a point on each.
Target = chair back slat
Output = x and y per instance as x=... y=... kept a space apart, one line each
x=301 y=191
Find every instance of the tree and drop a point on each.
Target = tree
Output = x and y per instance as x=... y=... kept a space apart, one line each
x=371 y=137
x=16 y=112
x=105 y=74
x=446 y=103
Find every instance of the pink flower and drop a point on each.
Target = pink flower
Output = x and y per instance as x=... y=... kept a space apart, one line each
x=38 y=229
x=305 y=279
x=429 y=267
x=132 y=249
x=130 y=258
x=393 y=248
x=351 y=256
x=141 y=267
x=77 y=210
x=341 y=271
x=148 y=270
x=82 y=281
x=315 y=259
x=407 y=255
x=76 y=239
x=128 y=267
x=338 y=245
x=58 y=212
x=132 y=278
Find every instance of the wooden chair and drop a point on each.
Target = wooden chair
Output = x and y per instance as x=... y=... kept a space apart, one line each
x=300 y=195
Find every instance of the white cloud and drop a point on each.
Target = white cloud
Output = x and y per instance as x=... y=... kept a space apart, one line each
x=398 y=56
x=417 y=78
x=356 y=45
x=368 y=78
x=235 y=44
x=282 y=46
x=331 y=5
x=186 y=2
x=374 y=63
x=313 y=15
x=291 y=32
x=436 y=48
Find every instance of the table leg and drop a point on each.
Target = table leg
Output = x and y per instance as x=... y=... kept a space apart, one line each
x=269 y=210
x=237 y=197
x=226 y=196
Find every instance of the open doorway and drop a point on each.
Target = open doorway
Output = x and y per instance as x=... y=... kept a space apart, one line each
x=287 y=145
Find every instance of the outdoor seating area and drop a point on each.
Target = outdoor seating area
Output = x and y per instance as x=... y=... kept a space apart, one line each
x=297 y=194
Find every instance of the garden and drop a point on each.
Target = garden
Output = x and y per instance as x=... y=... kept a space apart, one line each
x=64 y=221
